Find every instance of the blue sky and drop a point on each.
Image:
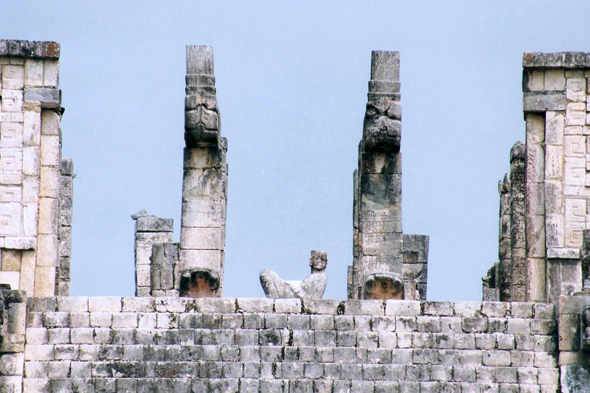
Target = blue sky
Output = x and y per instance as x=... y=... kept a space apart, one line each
x=292 y=83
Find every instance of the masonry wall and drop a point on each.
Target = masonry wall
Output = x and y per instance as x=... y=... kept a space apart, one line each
x=261 y=345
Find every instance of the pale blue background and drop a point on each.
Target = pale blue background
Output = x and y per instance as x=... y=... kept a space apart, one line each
x=292 y=83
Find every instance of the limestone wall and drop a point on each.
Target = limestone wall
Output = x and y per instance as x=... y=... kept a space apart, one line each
x=260 y=345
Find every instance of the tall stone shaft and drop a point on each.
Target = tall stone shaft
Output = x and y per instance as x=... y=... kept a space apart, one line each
x=505 y=245
x=204 y=189
x=378 y=239
x=517 y=220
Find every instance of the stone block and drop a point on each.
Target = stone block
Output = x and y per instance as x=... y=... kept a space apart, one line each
x=51 y=74
x=554 y=128
x=555 y=231
x=33 y=73
x=533 y=80
x=48 y=216
x=569 y=332
x=30 y=189
x=575 y=146
x=574 y=234
x=49 y=182
x=104 y=304
x=575 y=114
x=11 y=260
x=202 y=238
x=50 y=151
x=48 y=97
x=47 y=250
x=44 y=281
x=554 y=162
x=205 y=213
x=554 y=80
x=204 y=157
x=50 y=121
x=288 y=305
x=216 y=305
x=209 y=259
x=364 y=307
x=255 y=305
x=535 y=164
x=11 y=134
x=576 y=90
x=321 y=306
x=31 y=161
x=13 y=77
x=545 y=101
x=12 y=100
x=402 y=307
x=32 y=129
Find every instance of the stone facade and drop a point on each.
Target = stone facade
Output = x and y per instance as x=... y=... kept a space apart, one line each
x=530 y=334
x=35 y=183
x=544 y=199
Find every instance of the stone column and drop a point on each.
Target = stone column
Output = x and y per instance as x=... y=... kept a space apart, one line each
x=30 y=151
x=149 y=230
x=66 y=197
x=378 y=240
x=504 y=278
x=204 y=189
x=517 y=222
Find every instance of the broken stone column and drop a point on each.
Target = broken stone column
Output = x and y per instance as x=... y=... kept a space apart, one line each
x=378 y=254
x=149 y=230
x=13 y=311
x=204 y=190
x=517 y=222
x=30 y=151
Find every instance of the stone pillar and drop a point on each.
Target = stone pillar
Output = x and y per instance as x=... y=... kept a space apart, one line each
x=504 y=277
x=415 y=266
x=30 y=151
x=204 y=189
x=66 y=198
x=517 y=222
x=535 y=208
x=149 y=230
x=378 y=238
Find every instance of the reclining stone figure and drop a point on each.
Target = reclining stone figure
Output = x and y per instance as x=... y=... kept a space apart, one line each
x=312 y=287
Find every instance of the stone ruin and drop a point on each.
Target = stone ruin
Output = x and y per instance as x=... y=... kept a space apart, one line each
x=531 y=332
